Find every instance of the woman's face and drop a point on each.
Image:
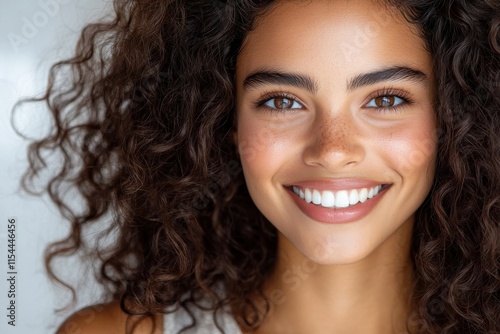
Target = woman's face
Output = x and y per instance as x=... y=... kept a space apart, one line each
x=336 y=99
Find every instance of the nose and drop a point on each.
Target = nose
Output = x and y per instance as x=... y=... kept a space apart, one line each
x=336 y=142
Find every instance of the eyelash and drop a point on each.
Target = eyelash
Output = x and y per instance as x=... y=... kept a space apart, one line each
x=386 y=91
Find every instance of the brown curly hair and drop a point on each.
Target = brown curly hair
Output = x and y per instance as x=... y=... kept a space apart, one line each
x=143 y=115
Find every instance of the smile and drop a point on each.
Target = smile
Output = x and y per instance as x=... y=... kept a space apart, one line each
x=334 y=206
x=337 y=199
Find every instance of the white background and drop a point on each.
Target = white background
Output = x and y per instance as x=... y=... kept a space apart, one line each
x=25 y=58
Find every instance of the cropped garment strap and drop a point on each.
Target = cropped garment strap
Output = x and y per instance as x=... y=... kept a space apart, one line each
x=174 y=322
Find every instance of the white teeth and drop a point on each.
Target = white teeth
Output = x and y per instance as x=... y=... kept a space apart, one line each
x=353 y=197
x=338 y=199
x=342 y=199
x=363 y=195
x=308 y=195
x=327 y=199
x=316 y=197
x=370 y=193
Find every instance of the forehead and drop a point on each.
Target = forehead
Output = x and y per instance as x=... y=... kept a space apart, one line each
x=334 y=37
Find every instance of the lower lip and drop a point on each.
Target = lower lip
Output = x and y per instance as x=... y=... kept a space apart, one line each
x=337 y=216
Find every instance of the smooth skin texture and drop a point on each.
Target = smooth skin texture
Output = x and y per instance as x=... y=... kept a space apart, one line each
x=105 y=319
x=337 y=278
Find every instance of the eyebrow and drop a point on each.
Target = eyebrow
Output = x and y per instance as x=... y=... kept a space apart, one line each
x=270 y=76
x=391 y=73
x=263 y=77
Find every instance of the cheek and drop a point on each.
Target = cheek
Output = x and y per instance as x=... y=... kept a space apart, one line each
x=258 y=161
x=261 y=149
x=413 y=148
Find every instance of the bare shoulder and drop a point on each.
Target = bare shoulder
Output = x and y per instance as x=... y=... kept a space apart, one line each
x=105 y=319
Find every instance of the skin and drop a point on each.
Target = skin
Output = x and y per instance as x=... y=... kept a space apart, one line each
x=337 y=278
x=105 y=319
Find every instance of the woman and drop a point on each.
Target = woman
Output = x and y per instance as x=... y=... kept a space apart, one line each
x=319 y=166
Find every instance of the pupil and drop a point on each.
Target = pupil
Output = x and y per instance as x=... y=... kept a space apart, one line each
x=385 y=101
x=283 y=102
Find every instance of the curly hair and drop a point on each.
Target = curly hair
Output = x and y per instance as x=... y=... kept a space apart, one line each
x=143 y=123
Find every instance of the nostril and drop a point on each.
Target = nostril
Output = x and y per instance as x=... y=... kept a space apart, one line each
x=332 y=152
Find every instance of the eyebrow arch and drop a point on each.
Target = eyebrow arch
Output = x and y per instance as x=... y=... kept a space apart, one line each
x=391 y=73
x=271 y=76
x=266 y=76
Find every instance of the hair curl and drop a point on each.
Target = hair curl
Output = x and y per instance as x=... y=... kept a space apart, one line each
x=143 y=125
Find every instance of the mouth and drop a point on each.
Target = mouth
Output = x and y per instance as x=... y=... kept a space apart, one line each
x=338 y=199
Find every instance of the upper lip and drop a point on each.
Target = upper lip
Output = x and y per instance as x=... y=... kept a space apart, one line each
x=337 y=184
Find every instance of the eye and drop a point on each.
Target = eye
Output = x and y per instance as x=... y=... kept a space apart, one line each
x=385 y=101
x=282 y=102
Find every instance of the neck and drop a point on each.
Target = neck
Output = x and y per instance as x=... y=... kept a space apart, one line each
x=369 y=296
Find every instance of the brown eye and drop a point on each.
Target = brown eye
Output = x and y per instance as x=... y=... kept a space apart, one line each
x=387 y=102
x=384 y=101
x=282 y=103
